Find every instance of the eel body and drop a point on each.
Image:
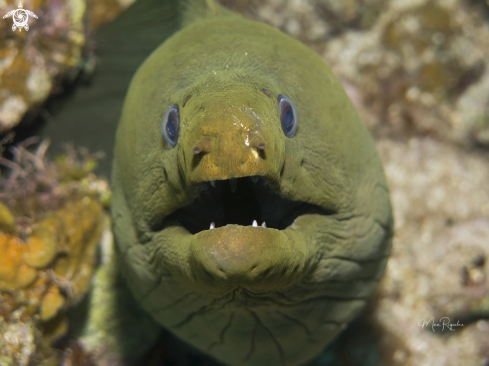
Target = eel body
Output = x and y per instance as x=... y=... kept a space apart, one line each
x=246 y=294
x=229 y=121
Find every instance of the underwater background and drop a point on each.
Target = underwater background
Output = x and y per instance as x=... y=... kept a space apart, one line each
x=417 y=72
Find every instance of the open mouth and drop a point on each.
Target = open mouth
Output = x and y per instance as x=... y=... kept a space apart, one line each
x=247 y=201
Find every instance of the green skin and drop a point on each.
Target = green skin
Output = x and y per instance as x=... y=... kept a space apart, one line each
x=248 y=295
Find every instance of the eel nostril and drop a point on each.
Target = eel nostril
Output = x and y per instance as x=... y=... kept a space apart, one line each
x=204 y=145
x=256 y=140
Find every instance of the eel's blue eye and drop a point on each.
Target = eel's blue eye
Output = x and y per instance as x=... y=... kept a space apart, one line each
x=170 y=125
x=288 y=115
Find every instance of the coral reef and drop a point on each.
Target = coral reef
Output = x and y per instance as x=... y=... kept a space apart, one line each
x=55 y=49
x=31 y=60
x=312 y=21
x=51 y=219
x=417 y=72
x=438 y=271
x=422 y=69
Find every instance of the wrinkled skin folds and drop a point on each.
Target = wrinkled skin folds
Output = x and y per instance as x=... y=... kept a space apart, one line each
x=248 y=295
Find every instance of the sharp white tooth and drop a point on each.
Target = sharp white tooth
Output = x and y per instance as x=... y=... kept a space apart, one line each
x=255 y=224
x=234 y=183
x=213 y=183
x=212 y=226
x=263 y=224
x=254 y=179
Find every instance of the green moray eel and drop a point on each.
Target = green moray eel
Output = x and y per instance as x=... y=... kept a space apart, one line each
x=230 y=121
x=246 y=294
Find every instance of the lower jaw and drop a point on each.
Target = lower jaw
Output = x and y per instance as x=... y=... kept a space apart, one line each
x=254 y=258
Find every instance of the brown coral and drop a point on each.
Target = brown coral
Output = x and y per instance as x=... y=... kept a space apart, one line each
x=14 y=273
x=64 y=244
x=51 y=220
x=72 y=232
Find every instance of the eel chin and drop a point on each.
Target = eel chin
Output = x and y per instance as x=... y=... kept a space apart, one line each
x=243 y=236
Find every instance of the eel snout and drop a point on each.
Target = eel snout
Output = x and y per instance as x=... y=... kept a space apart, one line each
x=231 y=146
x=255 y=258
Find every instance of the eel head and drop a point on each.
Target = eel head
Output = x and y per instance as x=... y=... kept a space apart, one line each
x=231 y=123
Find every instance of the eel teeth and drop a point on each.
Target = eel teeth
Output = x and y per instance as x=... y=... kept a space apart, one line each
x=254 y=224
x=213 y=183
x=255 y=178
x=234 y=183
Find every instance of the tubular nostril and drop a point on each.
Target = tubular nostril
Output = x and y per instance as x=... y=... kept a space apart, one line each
x=256 y=140
x=205 y=145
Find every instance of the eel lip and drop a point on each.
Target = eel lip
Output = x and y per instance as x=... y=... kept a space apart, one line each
x=249 y=257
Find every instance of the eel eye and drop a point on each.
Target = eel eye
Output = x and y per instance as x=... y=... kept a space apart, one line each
x=171 y=125
x=288 y=115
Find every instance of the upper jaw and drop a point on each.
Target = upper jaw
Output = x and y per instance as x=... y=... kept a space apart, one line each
x=210 y=170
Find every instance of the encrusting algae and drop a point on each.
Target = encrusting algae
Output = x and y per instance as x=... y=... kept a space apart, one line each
x=48 y=251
